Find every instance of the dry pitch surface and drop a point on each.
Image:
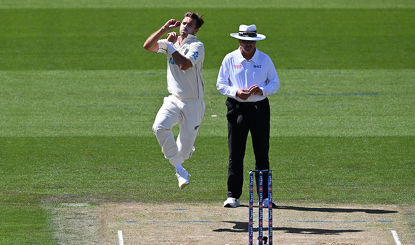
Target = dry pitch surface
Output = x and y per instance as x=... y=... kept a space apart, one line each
x=184 y=223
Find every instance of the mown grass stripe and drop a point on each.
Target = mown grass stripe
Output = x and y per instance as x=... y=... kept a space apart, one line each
x=306 y=169
x=114 y=103
x=208 y=4
x=112 y=39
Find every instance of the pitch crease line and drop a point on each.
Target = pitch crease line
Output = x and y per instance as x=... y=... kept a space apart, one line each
x=120 y=238
x=395 y=236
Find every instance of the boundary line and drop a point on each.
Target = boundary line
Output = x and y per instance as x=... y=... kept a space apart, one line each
x=395 y=237
x=120 y=238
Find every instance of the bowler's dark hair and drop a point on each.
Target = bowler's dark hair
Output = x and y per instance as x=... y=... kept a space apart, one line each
x=195 y=16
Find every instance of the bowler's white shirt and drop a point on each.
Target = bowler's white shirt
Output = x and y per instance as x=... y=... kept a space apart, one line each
x=185 y=84
x=238 y=73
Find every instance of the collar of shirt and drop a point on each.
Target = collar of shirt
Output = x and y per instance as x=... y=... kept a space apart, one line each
x=240 y=58
x=188 y=38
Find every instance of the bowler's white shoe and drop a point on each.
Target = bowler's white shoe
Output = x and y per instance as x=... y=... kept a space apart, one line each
x=231 y=203
x=265 y=204
x=182 y=177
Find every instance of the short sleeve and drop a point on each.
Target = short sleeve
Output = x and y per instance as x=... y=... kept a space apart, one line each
x=162 y=46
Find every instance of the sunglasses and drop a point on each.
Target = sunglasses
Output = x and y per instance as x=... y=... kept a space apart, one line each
x=246 y=41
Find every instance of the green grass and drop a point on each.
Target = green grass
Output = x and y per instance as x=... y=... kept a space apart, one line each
x=114 y=103
x=308 y=169
x=76 y=136
x=111 y=39
x=208 y=4
x=24 y=224
x=78 y=97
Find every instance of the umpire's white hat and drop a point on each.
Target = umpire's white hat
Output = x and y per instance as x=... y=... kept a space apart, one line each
x=248 y=33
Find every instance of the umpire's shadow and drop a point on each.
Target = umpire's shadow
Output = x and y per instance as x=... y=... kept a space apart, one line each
x=337 y=210
x=243 y=226
x=332 y=210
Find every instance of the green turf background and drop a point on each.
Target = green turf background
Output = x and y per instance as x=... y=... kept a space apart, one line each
x=78 y=96
x=124 y=103
x=110 y=39
x=217 y=4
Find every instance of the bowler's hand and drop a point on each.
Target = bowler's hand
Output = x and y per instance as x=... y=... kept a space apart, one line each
x=243 y=94
x=172 y=37
x=255 y=90
x=171 y=24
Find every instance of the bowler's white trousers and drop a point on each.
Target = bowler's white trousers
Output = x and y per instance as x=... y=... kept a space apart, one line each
x=188 y=115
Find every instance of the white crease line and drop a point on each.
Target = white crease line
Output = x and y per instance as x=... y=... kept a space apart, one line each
x=120 y=238
x=395 y=236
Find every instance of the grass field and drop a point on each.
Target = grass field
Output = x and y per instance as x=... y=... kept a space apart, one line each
x=78 y=96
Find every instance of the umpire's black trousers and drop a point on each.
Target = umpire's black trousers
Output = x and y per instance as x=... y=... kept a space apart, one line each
x=244 y=117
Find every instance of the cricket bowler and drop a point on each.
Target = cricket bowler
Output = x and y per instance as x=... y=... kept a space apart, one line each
x=185 y=105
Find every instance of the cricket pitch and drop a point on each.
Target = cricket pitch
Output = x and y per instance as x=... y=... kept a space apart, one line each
x=196 y=223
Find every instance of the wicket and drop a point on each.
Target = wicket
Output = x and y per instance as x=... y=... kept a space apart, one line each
x=260 y=206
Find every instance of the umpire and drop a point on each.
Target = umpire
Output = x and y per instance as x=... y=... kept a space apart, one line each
x=247 y=76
